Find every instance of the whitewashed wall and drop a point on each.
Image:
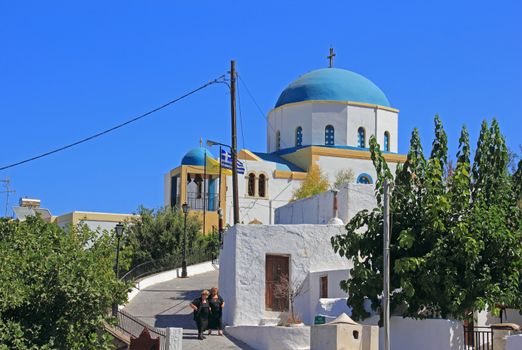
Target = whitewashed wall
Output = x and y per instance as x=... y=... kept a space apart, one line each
x=279 y=192
x=318 y=209
x=428 y=334
x=514 y=342
x=335 y=276
x=486 y=318
x=346 y=119
x=243 y=258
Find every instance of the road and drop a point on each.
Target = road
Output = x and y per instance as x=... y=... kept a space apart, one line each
x=167 y=305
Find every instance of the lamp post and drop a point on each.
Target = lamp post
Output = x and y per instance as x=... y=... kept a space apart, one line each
x=119 y=233
x=220 y=225
x=185 y=209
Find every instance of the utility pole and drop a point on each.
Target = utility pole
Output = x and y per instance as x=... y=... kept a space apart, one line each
x=235 y=198
x=386 y=267
x=7 y=191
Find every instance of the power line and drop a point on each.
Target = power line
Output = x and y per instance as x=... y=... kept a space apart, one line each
x=220 y=79
x=259 y=108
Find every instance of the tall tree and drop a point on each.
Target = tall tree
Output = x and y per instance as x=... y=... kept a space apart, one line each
x=56 y=286
x=455 y=245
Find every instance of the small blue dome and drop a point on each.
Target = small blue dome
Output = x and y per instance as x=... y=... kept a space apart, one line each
x=195 y=156
x=333 y=84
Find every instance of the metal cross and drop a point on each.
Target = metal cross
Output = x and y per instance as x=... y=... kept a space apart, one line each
x=331 y=57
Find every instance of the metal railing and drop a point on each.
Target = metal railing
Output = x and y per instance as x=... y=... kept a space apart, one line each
x=200 y=201
x=170 y=262
x=478 y=338
x=134 y=326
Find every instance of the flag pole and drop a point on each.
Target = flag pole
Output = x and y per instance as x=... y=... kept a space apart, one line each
x=219 y=199
x=205 y=193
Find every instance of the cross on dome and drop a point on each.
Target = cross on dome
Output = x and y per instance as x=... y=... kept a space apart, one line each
x=331 y=57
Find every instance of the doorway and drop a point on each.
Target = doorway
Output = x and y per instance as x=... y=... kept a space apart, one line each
x=276 y=282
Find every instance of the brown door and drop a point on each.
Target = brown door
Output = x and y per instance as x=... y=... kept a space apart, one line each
x=276 y=285
x=324 y=287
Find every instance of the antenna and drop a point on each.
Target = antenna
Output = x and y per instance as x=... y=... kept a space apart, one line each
x=7 y=182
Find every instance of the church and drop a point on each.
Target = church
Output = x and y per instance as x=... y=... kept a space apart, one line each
x=325 y=117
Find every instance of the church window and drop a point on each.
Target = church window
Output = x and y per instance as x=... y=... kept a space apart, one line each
x=329 y=135
x=278 y=140
x=361 y=137
x=262 y=186
x=299 y=136
x=364 y=179
x=251 y=184
x=386 y=141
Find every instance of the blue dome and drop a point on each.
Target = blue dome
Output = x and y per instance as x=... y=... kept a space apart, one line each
x=333 y=84
x=195 y=156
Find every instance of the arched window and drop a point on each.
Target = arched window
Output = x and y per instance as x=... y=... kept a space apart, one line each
x=329 y=135
x=278 y=140
x=386 y=141
x=299 y=136
x=364 y=179
x=361 y=138
x=251 y=184
x=262 y=186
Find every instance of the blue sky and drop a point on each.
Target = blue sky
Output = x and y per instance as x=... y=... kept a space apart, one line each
x=72 y=68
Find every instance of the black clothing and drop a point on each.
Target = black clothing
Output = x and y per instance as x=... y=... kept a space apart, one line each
x=216 y=312
x=201 y=315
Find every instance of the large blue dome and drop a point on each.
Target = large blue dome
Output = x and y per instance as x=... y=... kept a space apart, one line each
x=333 y=84
x=195 y=156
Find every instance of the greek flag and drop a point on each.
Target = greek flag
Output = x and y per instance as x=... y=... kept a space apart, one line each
x=226 y=162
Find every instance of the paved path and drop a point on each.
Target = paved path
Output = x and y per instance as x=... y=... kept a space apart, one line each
x=167 y=305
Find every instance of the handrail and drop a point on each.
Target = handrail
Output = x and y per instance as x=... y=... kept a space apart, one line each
x=166 y=263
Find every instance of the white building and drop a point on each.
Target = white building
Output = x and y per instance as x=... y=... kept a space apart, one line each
x=324 y=117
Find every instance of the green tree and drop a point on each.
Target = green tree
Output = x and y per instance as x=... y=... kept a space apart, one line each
x=455 y=243
x=314 y=183
x=56 y=286
x=157 y=234
x=342 y=178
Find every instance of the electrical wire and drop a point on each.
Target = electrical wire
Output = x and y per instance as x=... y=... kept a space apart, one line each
x=263 y=114
x=220 y=79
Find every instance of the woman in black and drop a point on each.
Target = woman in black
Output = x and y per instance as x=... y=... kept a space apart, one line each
x=216 y=311
x=201 y=309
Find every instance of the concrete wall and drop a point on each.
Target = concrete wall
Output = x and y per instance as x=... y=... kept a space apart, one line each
x=428 y=334
x=242 y=266
x=272 y=338
x=167 y=276
x=514 y=342
x=318 y=209
x=485 y=318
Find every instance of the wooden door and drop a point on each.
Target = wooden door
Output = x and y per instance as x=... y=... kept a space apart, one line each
x=276 y=280
x=324 y=287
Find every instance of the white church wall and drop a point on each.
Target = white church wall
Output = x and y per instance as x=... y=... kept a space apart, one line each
x=166 y=189
x=318 y=209
x=388 y=121
x=360 y=117
x=286 y=120
x=331 y=165
x=243 y=258
x=328 y=114
x=346 y=119
x=279 y=192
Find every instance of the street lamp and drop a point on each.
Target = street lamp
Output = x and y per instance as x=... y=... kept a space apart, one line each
x=220 y=216
x=119 y=233
x=211 y=143
x=185 y=209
